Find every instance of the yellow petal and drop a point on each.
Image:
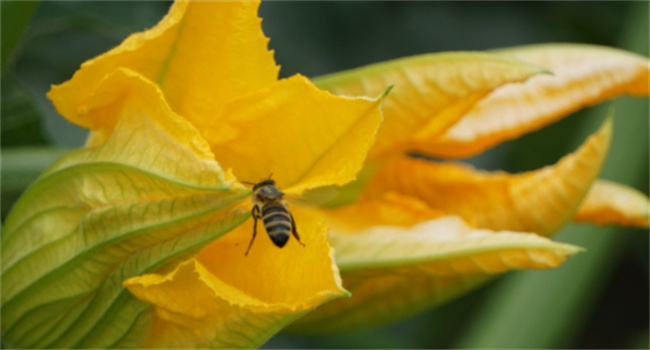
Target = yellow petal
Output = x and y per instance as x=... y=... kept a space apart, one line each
x=125 y=92
x=609 y=203
x=393 y=272
x=202 y=54
x=539 y=201
x=224 y=299
x=583 y=75
x=388 y=209
x=148 y=196
x=431 y=92
x=306 y=137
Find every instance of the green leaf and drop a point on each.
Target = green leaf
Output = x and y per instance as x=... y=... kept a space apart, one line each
x=15 y=17
x=20 y=167
x=137 y=203
x=21 y=115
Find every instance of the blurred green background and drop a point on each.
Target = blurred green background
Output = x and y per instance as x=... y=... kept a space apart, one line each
x=598 y=299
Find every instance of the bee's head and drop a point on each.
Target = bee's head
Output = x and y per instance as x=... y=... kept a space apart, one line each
x=265 y=191
x=264 y=183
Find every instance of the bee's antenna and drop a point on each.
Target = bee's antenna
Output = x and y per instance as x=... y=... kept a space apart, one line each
x=271 y=174
x=247 y=183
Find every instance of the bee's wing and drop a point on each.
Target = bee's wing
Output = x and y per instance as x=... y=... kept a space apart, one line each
x=321 y=197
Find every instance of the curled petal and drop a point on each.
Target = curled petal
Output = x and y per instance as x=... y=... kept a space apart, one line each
x=305 y=136
x=610 y=203
x=224 y=299
x=179 y=55
x=539 y=201
x=124 y=93
x=583 y=75
x=393 y=272
x=194 y=309
x=431 y=92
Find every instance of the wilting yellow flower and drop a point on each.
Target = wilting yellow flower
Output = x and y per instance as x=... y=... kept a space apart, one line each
x=182 y=113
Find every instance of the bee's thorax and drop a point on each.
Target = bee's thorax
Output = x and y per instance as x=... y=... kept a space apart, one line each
x=268 y=194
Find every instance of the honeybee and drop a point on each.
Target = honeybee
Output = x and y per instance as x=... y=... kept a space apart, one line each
x=270 y=207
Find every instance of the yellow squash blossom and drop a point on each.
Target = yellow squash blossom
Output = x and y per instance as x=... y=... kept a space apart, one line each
x=448 y=106
x=176 y=114
x=138 y=239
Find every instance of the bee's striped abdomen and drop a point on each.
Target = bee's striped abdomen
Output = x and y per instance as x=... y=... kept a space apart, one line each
x=269 y=206
x=277 y=222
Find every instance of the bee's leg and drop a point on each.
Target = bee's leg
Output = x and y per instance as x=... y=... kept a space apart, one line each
x=293 y=230
x=256 y=215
